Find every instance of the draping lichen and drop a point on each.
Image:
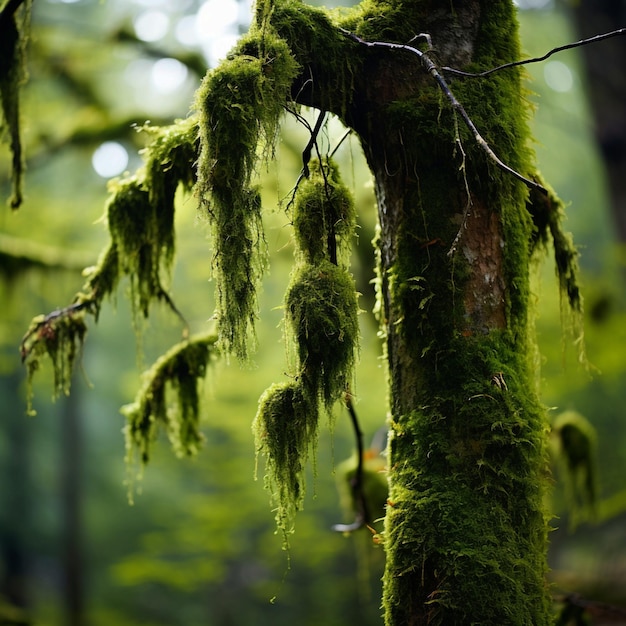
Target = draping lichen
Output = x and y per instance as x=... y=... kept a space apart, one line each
x=285 y=431
x=574 y=445
x=14 y=32
x=239 y=105
x=140 y=219
x=58 y=337
x=322 y=324
x=178 y=372
x=324 y=217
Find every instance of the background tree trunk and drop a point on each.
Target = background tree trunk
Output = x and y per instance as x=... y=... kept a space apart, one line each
x=607 y=93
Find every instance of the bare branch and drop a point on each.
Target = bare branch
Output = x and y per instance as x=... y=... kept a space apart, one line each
x=356 y=484
x=432 y=69
x=576 y=44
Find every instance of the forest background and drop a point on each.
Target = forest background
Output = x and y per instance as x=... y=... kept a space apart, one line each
x=198 y=546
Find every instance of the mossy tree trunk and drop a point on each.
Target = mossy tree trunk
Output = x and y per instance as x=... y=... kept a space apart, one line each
x=465 y=529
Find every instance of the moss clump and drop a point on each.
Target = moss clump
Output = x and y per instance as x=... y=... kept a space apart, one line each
x=179 y=370
x=285 y=430
x=14 y=33
x=321 y=317
x=374 y=488
x=574 y=445
x=58 y=336
x=548 y=213
x=324 y=217
x=239 y=105
x=322 y=323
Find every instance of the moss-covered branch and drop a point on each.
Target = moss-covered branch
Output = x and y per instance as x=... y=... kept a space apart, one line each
x=179 y=371
x=140 y=218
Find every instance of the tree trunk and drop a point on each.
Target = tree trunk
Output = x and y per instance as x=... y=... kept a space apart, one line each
x=72 y=444
x=607 y=94
x=465 y=532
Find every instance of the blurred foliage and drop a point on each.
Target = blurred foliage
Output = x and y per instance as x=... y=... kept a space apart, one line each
x=199 y=545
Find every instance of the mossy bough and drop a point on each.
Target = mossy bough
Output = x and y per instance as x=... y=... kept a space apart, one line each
x=140 y=218
x=180 y=370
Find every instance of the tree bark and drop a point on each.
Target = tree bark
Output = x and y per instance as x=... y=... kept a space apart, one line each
x=465 y=531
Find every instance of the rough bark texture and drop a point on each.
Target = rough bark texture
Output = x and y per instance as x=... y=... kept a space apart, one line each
x=465 y=530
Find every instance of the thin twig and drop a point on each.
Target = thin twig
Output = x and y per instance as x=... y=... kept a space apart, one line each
x=356 y=484
x=431 y=69
x=308 y=149
x=343 y=138
x=568 y=46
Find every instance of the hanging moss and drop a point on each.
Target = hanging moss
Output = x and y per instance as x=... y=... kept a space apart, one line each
x=324 y=217
x=574 y=445
x=170 y=160
x=322 y=324
x=56 y=336
x=374 y=488
x=179 y=370
x=240 y=104
x=548 y=213
x=140 y=218
x=322 y=327
x=14 y=33
x=285 y=431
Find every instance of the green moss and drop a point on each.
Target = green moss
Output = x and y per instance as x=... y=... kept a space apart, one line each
x=374 y=486
x=321 y=320
x=548 y=213
x=285 y=430
x=239 y=104
x=321 y=50
x=472 y=502
x=574 y=446
x=324 y=217
x=466 y=528
x=179 y=370
x=140 y=219
x=58 y=337
x=321 y=316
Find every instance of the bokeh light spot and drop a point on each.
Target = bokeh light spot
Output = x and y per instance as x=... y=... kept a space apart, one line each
x=558 y=76
x=110 y=159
